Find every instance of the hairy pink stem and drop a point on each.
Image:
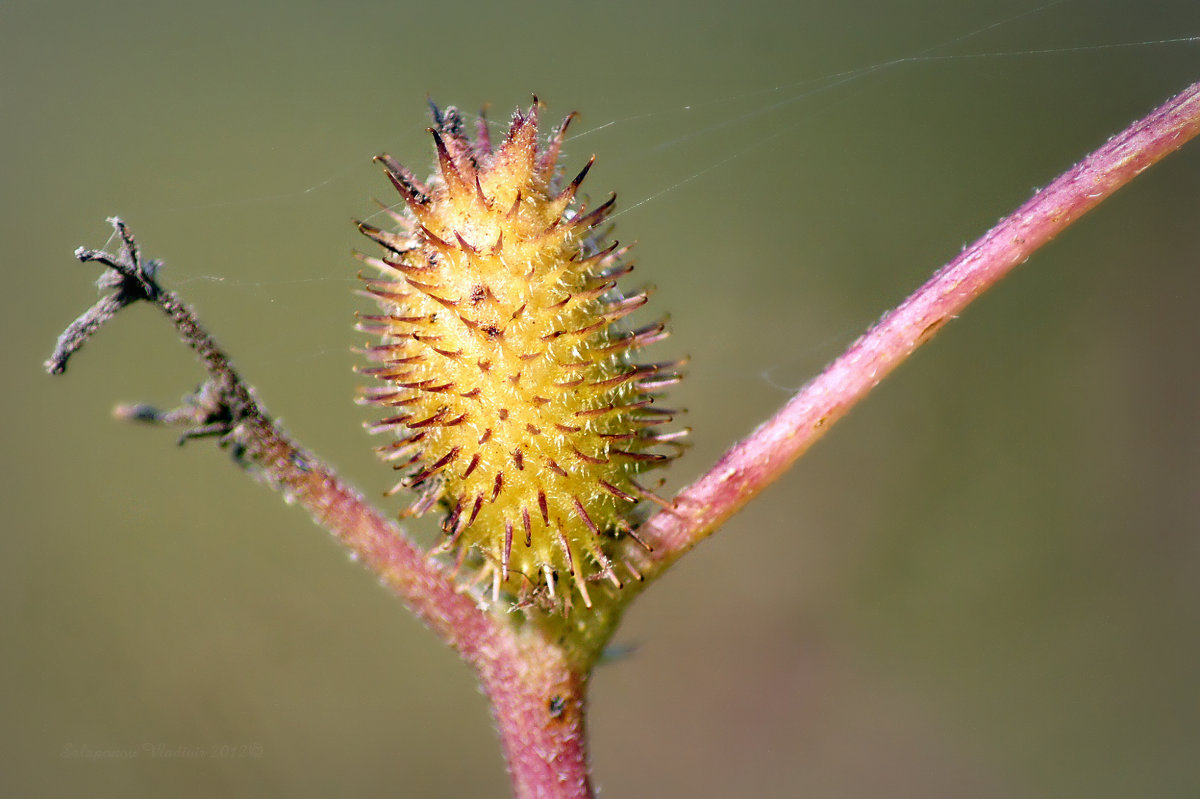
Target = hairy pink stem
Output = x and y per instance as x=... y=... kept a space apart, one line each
x=375 y=541
x=539 y=705
x=751 y=465
x=537 y=695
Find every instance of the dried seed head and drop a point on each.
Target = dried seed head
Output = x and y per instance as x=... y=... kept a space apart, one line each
x=505 y=370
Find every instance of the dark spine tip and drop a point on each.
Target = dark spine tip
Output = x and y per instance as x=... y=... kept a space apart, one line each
x=583 y=172
x=569 y=192
x=531 y=117
x=596 y=216
x=435 y=112
x=640 y=542
x=413 y=191
x=523 y=124
x=566 y=123
x=450 y=171
x=550 y=157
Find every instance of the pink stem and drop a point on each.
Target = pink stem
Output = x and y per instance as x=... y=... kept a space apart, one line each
x=537 y=696
x=539 y=704
x=377 y=542
x=751 y=465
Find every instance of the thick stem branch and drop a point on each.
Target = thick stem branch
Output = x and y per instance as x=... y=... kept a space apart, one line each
x=539 y=702
x=753 y=464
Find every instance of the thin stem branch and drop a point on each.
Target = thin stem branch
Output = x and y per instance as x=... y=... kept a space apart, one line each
x=225 y=406
x=751 y=465
x=537 y=696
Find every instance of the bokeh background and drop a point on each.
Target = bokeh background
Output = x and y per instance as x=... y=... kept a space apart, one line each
x=985 y=582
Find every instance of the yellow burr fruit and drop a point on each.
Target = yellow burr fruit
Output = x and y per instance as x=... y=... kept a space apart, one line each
x=506 y=369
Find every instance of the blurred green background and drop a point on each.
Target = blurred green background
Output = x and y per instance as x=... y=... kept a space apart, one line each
x=985 y=582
